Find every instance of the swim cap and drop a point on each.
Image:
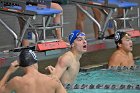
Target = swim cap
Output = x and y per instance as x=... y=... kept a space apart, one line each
x=119 y=35
x=27 y=57
x=74 y=34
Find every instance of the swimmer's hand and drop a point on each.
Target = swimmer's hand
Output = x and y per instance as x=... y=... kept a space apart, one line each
x=50 y=70
x=14 y=66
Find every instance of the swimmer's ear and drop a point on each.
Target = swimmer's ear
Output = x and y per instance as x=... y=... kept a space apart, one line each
x=72 y=45
x=119 y=44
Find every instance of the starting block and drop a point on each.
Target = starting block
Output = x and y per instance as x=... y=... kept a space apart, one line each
x=51 y=45
x=134 y=33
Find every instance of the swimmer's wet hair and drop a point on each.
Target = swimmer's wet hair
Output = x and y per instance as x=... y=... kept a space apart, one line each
x=27 y=57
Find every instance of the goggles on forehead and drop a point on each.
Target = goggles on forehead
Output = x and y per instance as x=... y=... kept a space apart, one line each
x=81 y=34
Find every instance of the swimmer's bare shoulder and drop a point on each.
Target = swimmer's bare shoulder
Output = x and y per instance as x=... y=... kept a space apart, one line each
x=54 y=83
x=65 y=59
x=54 y=79
x=58 y=84
x=13 y=84
x=115 y=59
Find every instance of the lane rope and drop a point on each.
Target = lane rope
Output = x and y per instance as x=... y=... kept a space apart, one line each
x=124 y=68
x=103 y=86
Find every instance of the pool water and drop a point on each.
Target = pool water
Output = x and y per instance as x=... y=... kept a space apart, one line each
x=109 y=77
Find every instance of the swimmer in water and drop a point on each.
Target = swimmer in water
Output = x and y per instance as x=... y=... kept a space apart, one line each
x=32 y=81
x=122 y=56
x=68 y=64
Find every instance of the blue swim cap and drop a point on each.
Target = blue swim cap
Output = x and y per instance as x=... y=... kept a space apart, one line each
x=74 y=34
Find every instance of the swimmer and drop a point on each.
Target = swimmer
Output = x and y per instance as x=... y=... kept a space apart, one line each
x=68 y=64
x=122 y=56
x=32 y=81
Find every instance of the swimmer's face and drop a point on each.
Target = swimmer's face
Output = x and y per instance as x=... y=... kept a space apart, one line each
x=126 y=44
x=80 y=44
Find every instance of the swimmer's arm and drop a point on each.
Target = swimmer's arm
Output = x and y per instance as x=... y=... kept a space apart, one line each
x=4 y=79
x=62 y=65
x=133 y=63
x=12 y=69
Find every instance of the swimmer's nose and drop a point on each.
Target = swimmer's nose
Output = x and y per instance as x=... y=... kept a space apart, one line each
x=85 y=42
